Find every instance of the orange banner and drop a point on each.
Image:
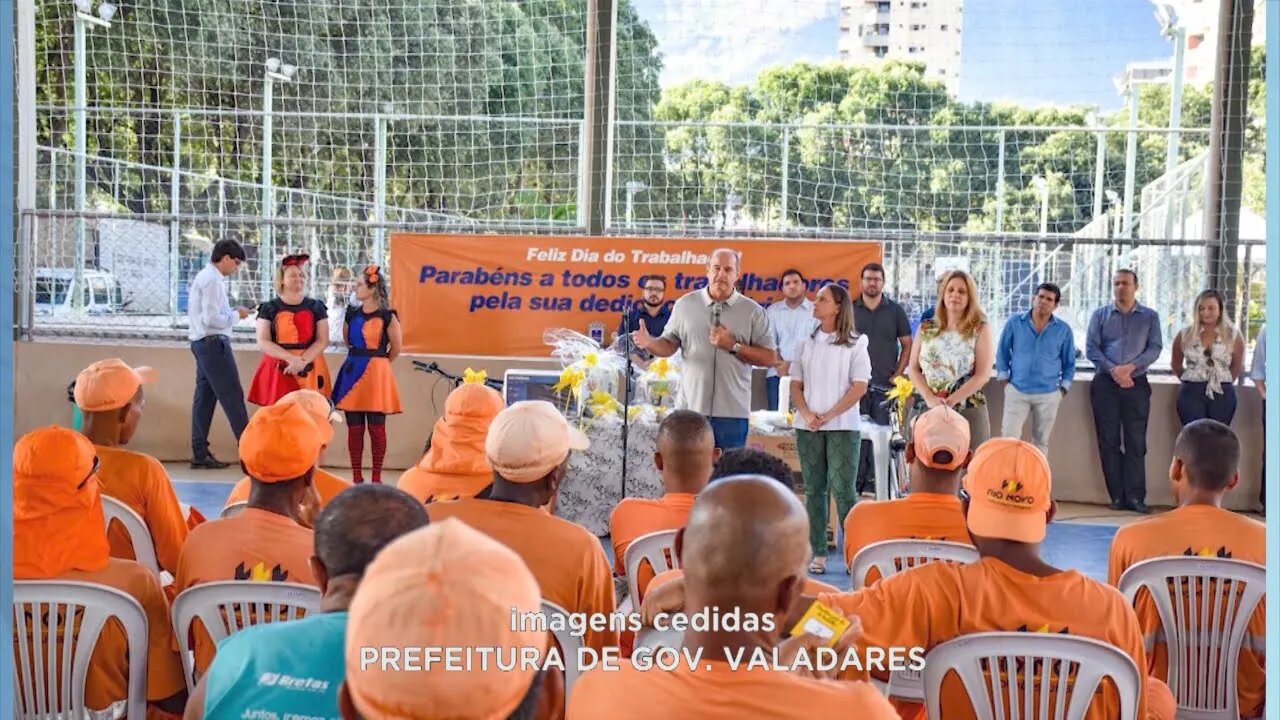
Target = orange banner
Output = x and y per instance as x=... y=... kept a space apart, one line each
x=497 y=295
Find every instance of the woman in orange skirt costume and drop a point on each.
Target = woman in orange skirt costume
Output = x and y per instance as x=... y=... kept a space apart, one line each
x=366 y=388
x=293 y=333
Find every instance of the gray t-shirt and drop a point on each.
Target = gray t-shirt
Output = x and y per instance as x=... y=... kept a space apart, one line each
x=714 y=382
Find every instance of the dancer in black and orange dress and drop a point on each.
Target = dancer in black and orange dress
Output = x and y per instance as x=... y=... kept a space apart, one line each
x=366 y=388
x=292 y=333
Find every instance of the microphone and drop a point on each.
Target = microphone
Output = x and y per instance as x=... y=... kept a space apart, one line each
x=715 y=315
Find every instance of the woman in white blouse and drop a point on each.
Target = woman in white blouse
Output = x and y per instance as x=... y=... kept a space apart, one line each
x=829 y=378
x=1208 y=356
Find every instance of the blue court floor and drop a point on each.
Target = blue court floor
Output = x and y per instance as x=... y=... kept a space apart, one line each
x=1075 y=544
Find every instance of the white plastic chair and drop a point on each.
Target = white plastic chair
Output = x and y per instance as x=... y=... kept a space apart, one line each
x=227 y=607
x=46 y=652
x=989 y=665
x=1204 y=625
x=894 y=556
x=233 y=509
x=568 y=642
x=659 y=549
x=139 y=534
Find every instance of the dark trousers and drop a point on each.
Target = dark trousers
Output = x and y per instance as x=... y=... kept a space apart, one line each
x=772 y=386
x=1120 y=418
x=1194 y=405
x=730 y=433
x=217 y=382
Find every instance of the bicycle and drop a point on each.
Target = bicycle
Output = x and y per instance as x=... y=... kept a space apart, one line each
x=899 y=476
x=433 y=368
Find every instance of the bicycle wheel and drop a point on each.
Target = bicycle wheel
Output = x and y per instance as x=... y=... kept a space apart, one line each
x=902 y=481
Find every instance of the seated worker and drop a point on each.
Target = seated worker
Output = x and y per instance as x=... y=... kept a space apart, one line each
x=455 y=466
x=686 y=452
x=528 y=446
x=938 y=453
x=326 y=484
x=1011 y=589
x=109 y=394
x=445 y=586
x=1206 y=465
x=745 y=548
x=59 y=534
x=748 y=461
x=264 y=542
x=349 y=533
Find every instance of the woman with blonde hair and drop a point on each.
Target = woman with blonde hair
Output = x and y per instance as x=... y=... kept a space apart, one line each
x=293 y=332
x=953 y=357
x=829 y=377
x=1208 y=356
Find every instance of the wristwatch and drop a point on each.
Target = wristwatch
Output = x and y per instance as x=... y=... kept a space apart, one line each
x=737 y=347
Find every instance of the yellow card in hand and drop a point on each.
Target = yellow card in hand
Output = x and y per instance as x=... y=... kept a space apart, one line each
x=823 y=622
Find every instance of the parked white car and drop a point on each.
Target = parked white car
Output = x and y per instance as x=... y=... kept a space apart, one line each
x=100 y=290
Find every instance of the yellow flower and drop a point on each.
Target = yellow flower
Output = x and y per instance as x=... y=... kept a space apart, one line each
x=901 y=392
x=602 y=403
x=660 y=368
x=571 y=379
x=791 y=418
x=470 y=377
x=590 y=360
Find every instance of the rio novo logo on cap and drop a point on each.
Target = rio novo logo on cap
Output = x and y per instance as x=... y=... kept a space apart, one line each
x=1010 y=493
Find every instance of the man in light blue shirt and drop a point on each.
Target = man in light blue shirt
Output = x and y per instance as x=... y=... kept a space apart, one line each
x=1123 y=340
x=295 y=668
x=1037 y=357
x=210 y=318
x=1258 y=373
x=790 y=321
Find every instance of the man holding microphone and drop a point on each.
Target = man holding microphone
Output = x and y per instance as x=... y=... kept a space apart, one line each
x=722 y=334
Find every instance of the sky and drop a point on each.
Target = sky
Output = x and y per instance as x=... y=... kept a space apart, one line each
x=1032 y=52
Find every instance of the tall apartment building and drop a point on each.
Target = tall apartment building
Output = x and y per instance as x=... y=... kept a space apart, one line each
x=927 y=31
x=1200 y=18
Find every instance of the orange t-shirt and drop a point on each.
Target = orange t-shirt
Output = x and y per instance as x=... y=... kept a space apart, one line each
x=927 y=606
x=719 y=692
x=326 y=483
x=140 y=482
x=1206 y=531
x=565 y=559
x=811 y=586
x=636 y=517
x=107 y=681
x=255 y=545
x=918 y=516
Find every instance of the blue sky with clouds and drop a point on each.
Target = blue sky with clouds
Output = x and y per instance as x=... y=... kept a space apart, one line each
x=1032 y=52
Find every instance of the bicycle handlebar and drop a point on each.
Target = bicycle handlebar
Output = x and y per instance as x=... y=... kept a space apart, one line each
x=435 y=369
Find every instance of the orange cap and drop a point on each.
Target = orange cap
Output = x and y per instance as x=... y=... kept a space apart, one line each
x=442 y=586
x=280 y=443
x=110 y=385
x=1009 y=489
x=318 y=408
x=57 y=509
x=530 y=439
x=456 y=465
x=941 y=429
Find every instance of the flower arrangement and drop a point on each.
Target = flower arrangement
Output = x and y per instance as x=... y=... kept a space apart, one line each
x=590 y=374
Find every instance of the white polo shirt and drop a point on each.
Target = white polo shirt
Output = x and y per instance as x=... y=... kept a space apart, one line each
x=827 y=372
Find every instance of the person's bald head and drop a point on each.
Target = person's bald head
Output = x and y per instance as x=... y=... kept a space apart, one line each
x=358 y=522
x=686 y=451
x=745 y=545
x=722 y=272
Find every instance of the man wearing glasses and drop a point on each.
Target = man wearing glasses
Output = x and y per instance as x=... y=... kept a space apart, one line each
x=211 y=317
x=1122 y=342
x=653 y=310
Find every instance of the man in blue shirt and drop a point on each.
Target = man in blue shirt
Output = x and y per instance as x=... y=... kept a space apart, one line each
x=295 y=668
x=790 y=321
x=1123 y=340
x=654 y=311
x=1037 y=357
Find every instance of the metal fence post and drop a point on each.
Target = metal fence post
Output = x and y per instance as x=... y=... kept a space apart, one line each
x=1000 y=184
x=1099 y=175
x=380 y=189
x=786 y=175
x=175 y=202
